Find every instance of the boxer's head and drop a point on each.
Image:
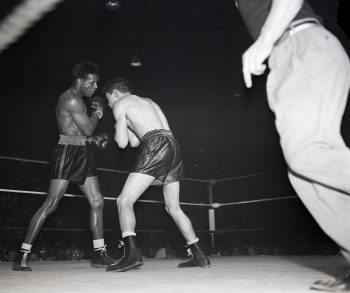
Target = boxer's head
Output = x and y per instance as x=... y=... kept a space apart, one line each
x=86 y=76
x=82 y=70
x=119 y=84
x=116 y=87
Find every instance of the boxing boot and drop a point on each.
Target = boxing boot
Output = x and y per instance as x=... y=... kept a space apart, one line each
x=340 y=283
x=131 y=257
x=100 y=258
x=20 y=262
x=196 y=257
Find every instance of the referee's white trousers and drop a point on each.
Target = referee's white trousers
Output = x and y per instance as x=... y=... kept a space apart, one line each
x=307 y=89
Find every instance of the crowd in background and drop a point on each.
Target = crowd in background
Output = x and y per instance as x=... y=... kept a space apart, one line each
x=71 y=245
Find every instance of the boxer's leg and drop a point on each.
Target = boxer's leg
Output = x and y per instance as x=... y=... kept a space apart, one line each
x=134 y=186
x=172 y=205
x=56 y=191
x=91 y=188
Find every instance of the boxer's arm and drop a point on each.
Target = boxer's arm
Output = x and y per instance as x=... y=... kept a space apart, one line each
x=121 y=128
x=281 y=14
x=133 y=140
x=85 y=123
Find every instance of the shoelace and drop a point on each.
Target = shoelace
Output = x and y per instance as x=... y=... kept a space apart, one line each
x=105 y=254
x=120 y=245
x=102 y=250
x=190 y=254
x=25 y=254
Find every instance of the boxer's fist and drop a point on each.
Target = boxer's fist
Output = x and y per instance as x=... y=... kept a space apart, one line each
x=99 y=142
x=97 y=105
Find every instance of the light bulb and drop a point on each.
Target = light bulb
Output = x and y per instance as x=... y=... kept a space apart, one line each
x=113 y=5
x=136 y=61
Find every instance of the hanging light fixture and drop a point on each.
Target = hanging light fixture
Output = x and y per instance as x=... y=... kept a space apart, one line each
x=113 y=5
x=135 y=60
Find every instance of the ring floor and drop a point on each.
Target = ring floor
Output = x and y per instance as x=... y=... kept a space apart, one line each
x=258 y=274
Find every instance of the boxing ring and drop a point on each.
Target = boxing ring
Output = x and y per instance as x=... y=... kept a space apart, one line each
x=252 y=271
x=258 y=274
x=247 y=270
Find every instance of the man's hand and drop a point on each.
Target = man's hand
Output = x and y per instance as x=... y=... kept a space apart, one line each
x=253 y=60
x=97 y=105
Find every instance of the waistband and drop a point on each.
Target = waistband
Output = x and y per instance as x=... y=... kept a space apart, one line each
x=155 y=133
x=72 y=140
x=297 y=26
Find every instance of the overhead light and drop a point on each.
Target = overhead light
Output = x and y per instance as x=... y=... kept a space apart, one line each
x=136 y=61
x=113 y=4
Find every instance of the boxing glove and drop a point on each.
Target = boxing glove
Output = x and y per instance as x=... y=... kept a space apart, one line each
x=97 y=105
x=99 y=142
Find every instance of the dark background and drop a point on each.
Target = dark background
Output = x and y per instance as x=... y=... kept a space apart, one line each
x=191 y=54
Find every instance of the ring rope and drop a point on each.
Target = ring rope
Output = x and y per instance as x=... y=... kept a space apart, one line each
x=216 y=205
x=156 y=230
x=101 y=169
x=49 y=229
x=252 y=175
x=107 y=198
x=210 y=181
x=22 y=18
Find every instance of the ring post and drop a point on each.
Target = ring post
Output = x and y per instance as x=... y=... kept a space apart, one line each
x=211 y=214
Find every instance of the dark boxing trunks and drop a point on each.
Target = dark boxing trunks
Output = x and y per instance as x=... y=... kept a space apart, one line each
x=160 y=157
x=72 y=160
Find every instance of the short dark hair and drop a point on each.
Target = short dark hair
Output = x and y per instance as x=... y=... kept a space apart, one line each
x=119 y=84
x=82 y=70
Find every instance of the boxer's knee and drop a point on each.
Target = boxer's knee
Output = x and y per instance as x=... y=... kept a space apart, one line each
x=124 y=201
x=173 y=209
x=97 y=203
x=50 y=206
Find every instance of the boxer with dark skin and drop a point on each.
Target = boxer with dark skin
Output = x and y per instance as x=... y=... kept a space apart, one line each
x=72 y=161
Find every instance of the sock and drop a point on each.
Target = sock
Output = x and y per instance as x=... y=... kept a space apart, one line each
x=98 y=244
x=128 y=233
x=193 y=241
x=26 y=246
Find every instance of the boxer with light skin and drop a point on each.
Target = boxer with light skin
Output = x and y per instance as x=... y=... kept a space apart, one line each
x=72 y=161
x=141 y=123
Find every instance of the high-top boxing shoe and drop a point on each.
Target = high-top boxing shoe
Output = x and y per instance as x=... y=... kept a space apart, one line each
x=131 y=257
x=20 y=262
x=196 y=257
x=100 y=258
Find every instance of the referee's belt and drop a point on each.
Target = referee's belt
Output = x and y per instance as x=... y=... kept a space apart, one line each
x=297 y=26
